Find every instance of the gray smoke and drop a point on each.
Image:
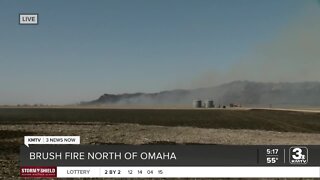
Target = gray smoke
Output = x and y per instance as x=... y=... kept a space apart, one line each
x=283 y=71
x=293 y=56
x=239 y=92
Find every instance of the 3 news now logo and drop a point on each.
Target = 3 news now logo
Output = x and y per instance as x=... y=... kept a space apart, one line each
x=298 y=155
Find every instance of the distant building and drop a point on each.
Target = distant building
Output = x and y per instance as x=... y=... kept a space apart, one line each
x=205 y=104
x=197 y=103
x=235 y=105
x=209 y=104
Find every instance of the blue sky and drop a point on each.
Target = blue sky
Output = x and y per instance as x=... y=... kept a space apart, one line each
x=82 y=49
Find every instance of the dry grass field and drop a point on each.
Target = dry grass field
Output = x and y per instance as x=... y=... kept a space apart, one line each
x=153 y=126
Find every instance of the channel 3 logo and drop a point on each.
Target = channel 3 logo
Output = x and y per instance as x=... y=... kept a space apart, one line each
x=298 y=155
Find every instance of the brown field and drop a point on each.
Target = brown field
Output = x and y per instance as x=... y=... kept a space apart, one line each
x=154 y=126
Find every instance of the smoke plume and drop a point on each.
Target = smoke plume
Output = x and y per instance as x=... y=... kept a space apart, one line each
x=293 y=56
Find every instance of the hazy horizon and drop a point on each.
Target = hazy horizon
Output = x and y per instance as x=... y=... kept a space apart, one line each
x=81 y=50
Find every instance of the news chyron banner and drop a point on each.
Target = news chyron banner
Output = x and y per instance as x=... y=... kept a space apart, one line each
x=64 y=157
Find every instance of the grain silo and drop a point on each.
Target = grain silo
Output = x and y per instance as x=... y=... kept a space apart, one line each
x=209 y=104
x=197 y=103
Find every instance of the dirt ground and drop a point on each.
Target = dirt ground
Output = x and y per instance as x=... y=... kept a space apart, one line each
x=95 y=133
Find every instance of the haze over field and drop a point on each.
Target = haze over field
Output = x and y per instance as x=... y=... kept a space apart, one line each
x=240 y=92
x=146 y=46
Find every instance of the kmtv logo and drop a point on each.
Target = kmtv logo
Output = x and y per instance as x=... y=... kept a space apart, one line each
x=298 y=155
